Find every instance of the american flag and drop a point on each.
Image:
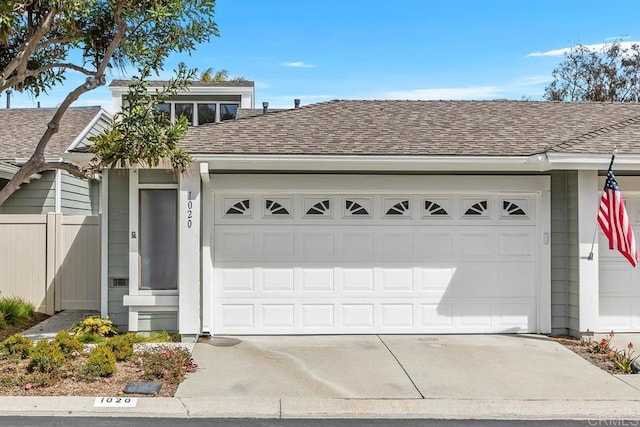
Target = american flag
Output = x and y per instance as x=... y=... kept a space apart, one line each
x=613 y=219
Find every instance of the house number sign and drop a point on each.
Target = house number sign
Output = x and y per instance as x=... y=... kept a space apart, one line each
x=189 y=213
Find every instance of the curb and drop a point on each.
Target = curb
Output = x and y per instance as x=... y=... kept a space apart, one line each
x=209 y=407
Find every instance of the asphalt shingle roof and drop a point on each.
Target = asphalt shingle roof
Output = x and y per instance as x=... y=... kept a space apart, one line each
x=471 y=128
x=22 y=128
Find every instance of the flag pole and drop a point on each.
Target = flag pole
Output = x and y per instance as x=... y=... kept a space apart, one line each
x=595 y=229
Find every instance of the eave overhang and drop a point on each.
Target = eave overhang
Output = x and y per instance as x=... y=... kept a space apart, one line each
x=360 y=163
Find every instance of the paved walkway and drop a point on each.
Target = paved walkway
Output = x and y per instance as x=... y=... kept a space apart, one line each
x=58 y=322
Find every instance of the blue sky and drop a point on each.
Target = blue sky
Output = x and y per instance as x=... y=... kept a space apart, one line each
x=319 y=50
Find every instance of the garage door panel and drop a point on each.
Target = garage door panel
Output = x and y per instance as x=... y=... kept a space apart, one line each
x=277 y=244
x=397 y=245
x=314 y=280
x=619 y=283
x=434 y=244
x=476 y=244
x=516 y=279
x=317 y=245
x=519 y=243
x=325 y=268
x=396 y=279
x=277 y=279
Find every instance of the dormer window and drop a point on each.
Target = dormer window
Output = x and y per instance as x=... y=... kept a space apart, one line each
x=184 y=109
x=206 y=113
x=228 y=111
x=200 y=113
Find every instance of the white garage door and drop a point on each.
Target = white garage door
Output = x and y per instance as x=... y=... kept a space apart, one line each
x=310 y=256
x=619 y=282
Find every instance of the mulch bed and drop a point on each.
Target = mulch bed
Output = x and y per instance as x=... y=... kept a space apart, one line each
x=68 y=383
x=578 y=346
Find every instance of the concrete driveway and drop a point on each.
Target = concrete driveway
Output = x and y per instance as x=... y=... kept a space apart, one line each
x=398 y=367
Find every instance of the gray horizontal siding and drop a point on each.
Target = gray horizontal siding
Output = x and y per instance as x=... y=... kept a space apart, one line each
x=118 y=247
x=564 y=251
x=99 y=127
x=36 y=197
x=75 y=197
x=158 y=321
x=157 y=176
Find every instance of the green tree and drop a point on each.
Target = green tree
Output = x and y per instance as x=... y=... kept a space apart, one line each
x=610 y=74
x=219 y=76
x=42 y=40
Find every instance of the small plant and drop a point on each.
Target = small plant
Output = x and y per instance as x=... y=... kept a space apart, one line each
x=100 y=363
x=602 y=347
x=16 y=311
x=122 y=346
x=163 y=336
x=90 y=338
x=166 y=363
x=625 y=360
x=95 y=325
x=17 y=345
x=3 y=323
x=46 y=357
x=69 y=344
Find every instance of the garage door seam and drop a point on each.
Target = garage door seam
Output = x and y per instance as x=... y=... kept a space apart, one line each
x=402 y=367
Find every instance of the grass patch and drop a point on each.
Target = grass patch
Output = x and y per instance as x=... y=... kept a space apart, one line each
x=15 y=312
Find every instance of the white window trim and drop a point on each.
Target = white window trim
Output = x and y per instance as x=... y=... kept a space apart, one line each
x=172 y=105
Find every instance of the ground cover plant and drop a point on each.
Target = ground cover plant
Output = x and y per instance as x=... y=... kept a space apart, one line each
x=601 y=354
x=17 y=315
x=65 y=366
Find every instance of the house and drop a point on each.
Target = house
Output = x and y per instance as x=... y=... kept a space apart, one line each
x=378 y=217
x=49 y=228
x=55 y=190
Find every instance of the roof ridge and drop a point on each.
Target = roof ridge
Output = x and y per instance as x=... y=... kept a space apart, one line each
x=594 y=133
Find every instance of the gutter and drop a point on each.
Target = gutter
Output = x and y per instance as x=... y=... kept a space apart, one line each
x=7 y=171
x=361 y=163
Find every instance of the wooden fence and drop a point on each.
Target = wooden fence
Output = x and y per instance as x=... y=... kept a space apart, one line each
x=51 y=260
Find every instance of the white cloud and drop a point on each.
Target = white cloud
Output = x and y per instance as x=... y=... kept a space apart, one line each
x=616 y=38
x=533 y=80
x=297 y=64
x=594 y=47
x=478 y=92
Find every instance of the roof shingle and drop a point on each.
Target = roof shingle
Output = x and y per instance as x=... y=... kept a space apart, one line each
x=22 y=128
x=470 y=128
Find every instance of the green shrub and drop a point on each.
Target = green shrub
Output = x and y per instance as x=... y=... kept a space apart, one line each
x=163 y=336
x=3 y=323
x=68 y=344
x=16 y=345
x=90 y=338
x=46 y=357
x=121 y=346
x=95 y=325
x=16 y=311
x=100 y=363
x=166 y=363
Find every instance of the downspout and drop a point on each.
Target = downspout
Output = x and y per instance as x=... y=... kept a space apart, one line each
x=58 y=192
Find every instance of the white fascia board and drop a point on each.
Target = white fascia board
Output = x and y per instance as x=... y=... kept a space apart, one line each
x=570 y=161
x=119 y=91
x=101 y=114
x=7 y=171
x=356 y=163
x=80 y=159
